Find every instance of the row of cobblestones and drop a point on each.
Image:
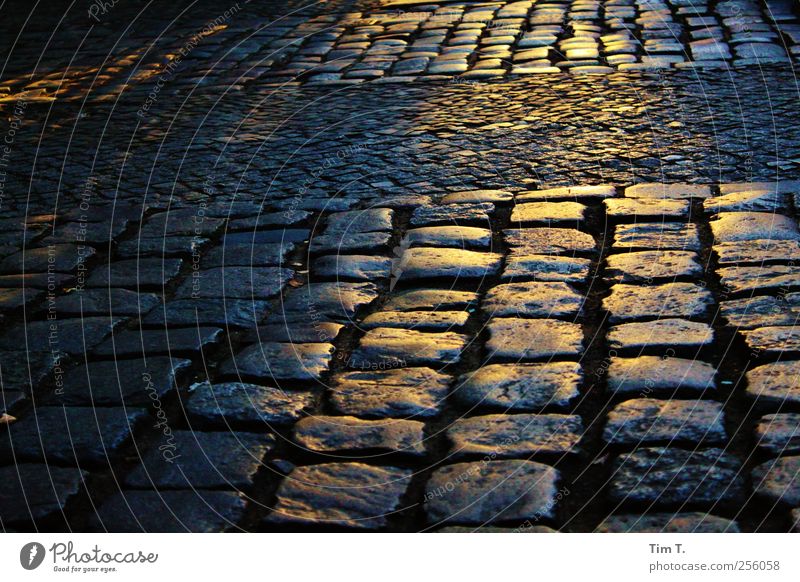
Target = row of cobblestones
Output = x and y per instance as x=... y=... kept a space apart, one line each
x=468 y=381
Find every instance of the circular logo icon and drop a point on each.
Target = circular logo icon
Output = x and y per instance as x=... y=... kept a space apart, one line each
x=31 y=555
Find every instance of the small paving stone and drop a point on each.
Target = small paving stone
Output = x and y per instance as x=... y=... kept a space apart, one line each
x=568 y=193
x=110 y=302
x=458 y=237
x=746 y=201
x=235 y=283
x=233 y=404
x=779 y=434
x=341 y=434
x=478 y=196
x=754 y=278
x=663 y=476
x=403 y=392
x=202 y=460
x=435 y=263
x=649 y=266
x=453 y=214
x=533 y=299
x=743 y=226
x=490 y=492
x=432 y=299
x=236 y=313
x=775 y=384
x=631 y=302
x=351 y=267
x=667 y=333
x=311 y=332
x=351 y=495
x=33 y=492
x=762 y=311
x=350 y=243
x=135 y=273
x=170 y=512
x=636 y=209
x=418 y=320
x=515 y=435
x=384 y=348
x=646 y=374
x=693 y=522
x=358 y=221
x=520 y=387
x=338 y=301
x=548 y=212
x=668 y=191
x=756 y=251
x=657 y=235
x=778 y=481
x=278 y=362
x=532 y=339
x=66 y=436
x=521 y=267
x=156 y=342
x=646 y=421
x=121 y=382
x=777 y=340
x=544 y=241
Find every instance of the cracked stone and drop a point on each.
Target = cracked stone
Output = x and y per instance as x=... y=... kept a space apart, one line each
x=491 y=492
x=338 y=434
x=404 y=392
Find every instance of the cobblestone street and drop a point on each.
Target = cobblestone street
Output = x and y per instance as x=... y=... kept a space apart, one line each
x=523 y=266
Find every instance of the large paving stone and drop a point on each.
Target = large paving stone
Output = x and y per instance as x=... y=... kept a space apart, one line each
x=384 y=347
x=66 y=436
x=156 y=342
x=650 y=266
x=404 y=392
x=538 y=213
x=514 y=435
x=343 y=434
x=492 y=491
x=663 y=476
x=135 y=273
x=357 y=221
x=418 y=320
x=32 y=492
x=196 y=511
x=646 y=374
x=432 y=300
x=346 y=242
x=756 y=251
x=435 y=263
x=779 y=481
x=632 y=302
x=121 y=382
x=646 y=421
x=637 y=209
x=520 y=387
x=236 y=313
x=668 y=191
x=779 y=434
x=743 y=226
x=776 y=384
x=521 y=267
x=171 y=246
x=747 y=279
x=456 y=237
x=234 y=283
x=242 y=255
x=589 y=192
x=663 y=333
x=69 y=336
x=58 y=258
x=278 y=362
x=545 y=241
x=775 y=340
x=746 y=201
x=532 y=339
x=351 y=495
x=236 y=404
x=533 y=299
x=478 y=197
x=762 y=311
x=351 y=268
x=694 y=522
x=338 y=301
x=24 y=371
x=656 y=236
x=202 y=460
x=106 y=302
x=296 y=332
x=478 y=214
